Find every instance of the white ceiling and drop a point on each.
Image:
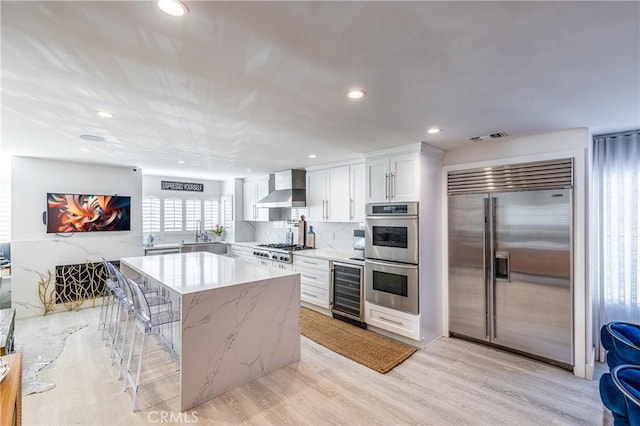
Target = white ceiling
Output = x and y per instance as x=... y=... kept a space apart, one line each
x=261 y=85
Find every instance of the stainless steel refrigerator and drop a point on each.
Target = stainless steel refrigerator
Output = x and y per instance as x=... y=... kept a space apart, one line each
x=510 y=263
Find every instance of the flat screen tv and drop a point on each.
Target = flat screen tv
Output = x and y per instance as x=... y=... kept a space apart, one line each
x=87 y=213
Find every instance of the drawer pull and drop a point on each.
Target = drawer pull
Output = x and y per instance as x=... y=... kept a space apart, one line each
x=309 y=276
x=388 y=320
x=309 y=294
x=310 y=263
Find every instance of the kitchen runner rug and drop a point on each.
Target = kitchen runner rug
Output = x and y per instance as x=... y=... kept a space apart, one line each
x=377 y=352
x=39 y=350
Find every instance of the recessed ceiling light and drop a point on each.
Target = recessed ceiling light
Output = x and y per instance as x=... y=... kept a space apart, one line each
x=249 y=170
x=312 y=156
x=173 y=7
x=92 y=138
x=356 y=94
x=85 y=149
x=180 y=162
x=433 y=130
x=104 y=114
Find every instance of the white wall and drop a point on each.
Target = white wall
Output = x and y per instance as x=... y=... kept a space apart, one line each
x=564 y=144
x=329 y=235
x=34 y=252
x=242 y=231
x=151 y=186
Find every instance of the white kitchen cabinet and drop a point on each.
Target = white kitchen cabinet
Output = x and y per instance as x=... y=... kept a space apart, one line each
x=391 y=320
x=254 y=191
x=393 y=178
x=328 y=195
x=247 y=254
x=235 y=251
x=357 y=192
x=314 y=280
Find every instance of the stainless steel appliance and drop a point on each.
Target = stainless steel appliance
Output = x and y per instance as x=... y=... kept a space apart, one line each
x=358 y=244
x=277 y=252
x=347 y=293
x=510 y=260
x=391 y=247
x=393 y=285
x=391 y=232
x=290 y=190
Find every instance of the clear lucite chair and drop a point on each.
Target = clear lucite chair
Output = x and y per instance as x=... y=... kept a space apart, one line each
x=111 y=295
x=127 y=308
x=147 y=322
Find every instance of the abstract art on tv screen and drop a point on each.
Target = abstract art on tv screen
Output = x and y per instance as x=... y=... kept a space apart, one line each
x=87 y=213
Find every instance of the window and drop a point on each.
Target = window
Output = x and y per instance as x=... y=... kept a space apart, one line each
x=211 y=214
x=616 y=188
x=193 y=212
x=150 y=214
x=172 y=214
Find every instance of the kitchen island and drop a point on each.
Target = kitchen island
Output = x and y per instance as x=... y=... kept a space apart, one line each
x=239 y=321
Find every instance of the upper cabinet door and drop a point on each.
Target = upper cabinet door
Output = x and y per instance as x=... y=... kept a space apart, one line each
x=392 y=178
x=377 y=180
x=249 y=201
x=357 y=192
x=262 y=190
x=337 y=202
x=404 y=182
x=254 y=191
x=316 y=194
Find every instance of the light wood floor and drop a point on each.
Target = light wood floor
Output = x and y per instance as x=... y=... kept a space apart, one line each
x=452 y=382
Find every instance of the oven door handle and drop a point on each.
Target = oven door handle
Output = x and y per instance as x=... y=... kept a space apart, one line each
x=395 y=265
x=392 y=217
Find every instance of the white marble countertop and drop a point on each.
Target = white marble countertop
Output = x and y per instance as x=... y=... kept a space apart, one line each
x=163 y=246
x=187 y=273
x=329 y=255
x=246 y=243
x=319 y=253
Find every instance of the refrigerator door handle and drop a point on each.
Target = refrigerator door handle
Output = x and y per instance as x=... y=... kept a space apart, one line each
x=485 y=250
x=493 y=269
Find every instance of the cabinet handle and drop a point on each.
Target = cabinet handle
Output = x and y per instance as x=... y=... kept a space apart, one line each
x=386 y=186
x=388 y=320
x=309 y=294
x=309 y=276
x=326 y=216
x=351 y=208
x=310 y=263
x=392 y=187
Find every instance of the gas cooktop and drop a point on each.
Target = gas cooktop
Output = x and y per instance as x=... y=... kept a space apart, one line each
x=283 y=246
x=279 y=252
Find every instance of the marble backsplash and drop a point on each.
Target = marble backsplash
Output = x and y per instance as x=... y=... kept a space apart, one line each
x=329 y=236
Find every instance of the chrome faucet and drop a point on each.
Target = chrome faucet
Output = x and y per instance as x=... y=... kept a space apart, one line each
x=198 y=230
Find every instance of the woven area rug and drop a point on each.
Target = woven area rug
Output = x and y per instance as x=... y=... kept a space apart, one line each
x=377 y=352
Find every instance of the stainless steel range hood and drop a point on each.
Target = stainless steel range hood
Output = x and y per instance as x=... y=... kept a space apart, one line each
x=290 y=190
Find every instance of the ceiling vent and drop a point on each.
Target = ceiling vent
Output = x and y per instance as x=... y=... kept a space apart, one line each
x=491 y=136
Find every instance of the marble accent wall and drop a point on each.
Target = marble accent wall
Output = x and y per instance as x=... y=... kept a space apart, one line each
x=34 y=252
x=32 y=259
x=329 y=235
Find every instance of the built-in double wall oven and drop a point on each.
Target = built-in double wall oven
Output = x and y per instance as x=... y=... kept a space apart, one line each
x=392 y=251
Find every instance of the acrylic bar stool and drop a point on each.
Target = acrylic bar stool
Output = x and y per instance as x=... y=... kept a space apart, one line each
x=147 y=323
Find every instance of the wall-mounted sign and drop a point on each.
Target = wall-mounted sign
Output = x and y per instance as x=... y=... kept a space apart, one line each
x=181 y=186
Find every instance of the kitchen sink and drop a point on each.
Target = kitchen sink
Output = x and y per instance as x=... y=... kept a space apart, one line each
x=211 y=247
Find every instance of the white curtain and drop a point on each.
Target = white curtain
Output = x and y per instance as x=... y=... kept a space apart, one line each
x=616 y=196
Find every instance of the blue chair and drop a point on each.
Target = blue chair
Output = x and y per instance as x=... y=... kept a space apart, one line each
x=622 y=341
x=620 y=393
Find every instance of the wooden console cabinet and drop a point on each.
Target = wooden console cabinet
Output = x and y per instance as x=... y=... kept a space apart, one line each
x=7 y=321
x=11 y=392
